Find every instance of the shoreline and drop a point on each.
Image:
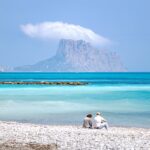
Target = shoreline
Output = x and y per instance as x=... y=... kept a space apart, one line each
x=70 y=125
x=71 y=137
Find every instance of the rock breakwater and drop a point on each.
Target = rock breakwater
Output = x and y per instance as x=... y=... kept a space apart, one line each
x=43 y=83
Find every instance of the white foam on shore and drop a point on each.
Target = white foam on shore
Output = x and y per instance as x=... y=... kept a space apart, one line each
x=75 y=137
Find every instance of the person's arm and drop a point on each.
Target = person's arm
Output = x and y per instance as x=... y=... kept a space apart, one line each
x=94 y=123
x=104 y=120
x=83 y=124
x=90 y=123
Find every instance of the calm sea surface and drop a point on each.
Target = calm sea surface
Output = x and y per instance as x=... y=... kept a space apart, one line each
x=122 y=98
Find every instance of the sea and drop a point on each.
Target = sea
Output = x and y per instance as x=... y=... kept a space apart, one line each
x=123 y=99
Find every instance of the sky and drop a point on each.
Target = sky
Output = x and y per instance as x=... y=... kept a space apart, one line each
x=29 y=29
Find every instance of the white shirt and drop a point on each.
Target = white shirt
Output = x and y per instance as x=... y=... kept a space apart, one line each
x=98 y=120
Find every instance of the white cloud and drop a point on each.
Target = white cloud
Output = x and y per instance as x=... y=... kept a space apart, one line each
x=60 y=30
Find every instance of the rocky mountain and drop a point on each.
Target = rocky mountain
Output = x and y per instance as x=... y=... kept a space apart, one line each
x=78 y=56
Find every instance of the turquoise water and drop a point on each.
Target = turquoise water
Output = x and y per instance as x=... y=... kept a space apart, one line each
x=122 y=98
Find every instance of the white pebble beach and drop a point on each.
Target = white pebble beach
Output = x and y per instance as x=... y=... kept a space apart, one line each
x=72 y=137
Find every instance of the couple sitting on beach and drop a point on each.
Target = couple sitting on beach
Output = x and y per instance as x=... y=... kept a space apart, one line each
x=98 y=123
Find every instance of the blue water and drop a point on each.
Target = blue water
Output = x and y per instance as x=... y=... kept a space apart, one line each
x=122 y=98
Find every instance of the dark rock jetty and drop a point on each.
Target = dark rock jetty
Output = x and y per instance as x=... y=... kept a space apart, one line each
x=43 y=83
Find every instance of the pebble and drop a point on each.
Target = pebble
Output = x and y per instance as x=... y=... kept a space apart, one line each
x=75 y=137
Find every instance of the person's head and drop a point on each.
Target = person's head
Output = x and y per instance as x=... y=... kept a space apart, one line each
x=98 y=114
x=89 y=116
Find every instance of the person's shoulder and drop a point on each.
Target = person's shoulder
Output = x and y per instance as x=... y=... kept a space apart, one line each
x=86 y=118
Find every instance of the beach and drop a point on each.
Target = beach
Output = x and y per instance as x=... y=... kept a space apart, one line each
x=27 y=136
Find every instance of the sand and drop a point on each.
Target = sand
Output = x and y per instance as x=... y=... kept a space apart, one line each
x=24 y=136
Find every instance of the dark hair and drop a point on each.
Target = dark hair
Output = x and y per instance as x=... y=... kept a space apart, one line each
x=89 y=115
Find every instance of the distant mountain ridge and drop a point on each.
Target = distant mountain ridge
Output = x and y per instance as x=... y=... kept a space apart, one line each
x=5 y=68
x=77 y=56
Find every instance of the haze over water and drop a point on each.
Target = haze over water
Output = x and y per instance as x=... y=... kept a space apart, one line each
x=122 y=98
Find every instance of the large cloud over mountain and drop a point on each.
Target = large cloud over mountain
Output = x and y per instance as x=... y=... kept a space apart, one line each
x=60 y=30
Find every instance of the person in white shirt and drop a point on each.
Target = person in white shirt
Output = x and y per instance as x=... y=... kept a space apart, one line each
x=100 y=122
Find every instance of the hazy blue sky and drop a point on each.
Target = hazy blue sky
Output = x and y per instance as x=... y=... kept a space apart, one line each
x=126 y=23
